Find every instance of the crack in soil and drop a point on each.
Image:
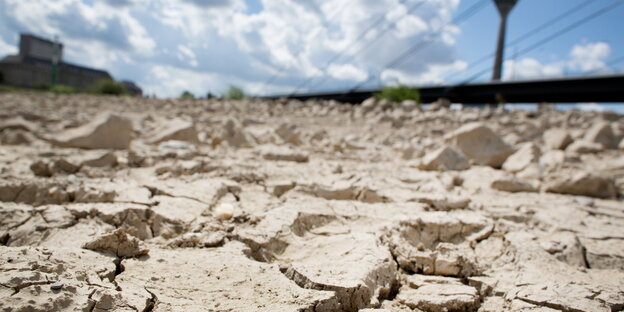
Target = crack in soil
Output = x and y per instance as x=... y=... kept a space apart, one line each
x=551 y=305
x=16 y=289
x=151 y=302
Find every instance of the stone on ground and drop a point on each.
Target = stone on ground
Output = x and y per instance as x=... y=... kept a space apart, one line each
x=445 y=158
x=438 y=295
x=525 y=156
x=512 y=185
x=444 y=203
x=344 y=190
x=105 y=131
x=438 y=243
x=584 y=147
x=480 y=144
x=102 y=159
x=17 y=123
x=289 y=134
x=234 y=134
x=326 y=263
x=557 y=138
x=582 y=183
x=283 y=153
x=118 y=243
x=279 y=188
x=602 y=134
x=176 y=129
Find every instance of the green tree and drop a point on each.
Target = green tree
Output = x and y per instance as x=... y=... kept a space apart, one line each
x=42 y=86
x=399 y=94
x=187 y=95
x=234 y=93
x=109 y=86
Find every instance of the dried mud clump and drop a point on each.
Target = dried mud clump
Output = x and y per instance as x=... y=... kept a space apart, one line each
x=118 y=243
x=439 y=244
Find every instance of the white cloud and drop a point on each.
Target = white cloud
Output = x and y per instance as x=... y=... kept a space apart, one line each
x=590 y=107
x=531 y=68
x=347 y=72
x=301 y=37
x=410 y=26
x=191 y=18
x=216 y=43
x=588 y=57
x=433 y=74
x=6 y=49
x=169 y=81
x=186 y=54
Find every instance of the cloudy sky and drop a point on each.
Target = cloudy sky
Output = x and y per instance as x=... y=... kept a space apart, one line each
x=286 y=46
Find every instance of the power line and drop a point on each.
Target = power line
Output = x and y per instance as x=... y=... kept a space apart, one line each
x=554 y=36
x=459 y=19
x=342 y=51
x=325 y=24
x=610 y=63
x=463 y=16
x=364 y=47
x=338 y=55
x=615 y=61
x=528 y=34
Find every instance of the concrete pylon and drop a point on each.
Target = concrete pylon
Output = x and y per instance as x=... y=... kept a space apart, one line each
x=504 y=7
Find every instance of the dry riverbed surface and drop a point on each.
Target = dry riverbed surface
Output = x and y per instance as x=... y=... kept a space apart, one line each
x=123 y=204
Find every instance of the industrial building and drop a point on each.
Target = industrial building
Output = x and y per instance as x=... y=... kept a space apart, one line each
x=40 y=63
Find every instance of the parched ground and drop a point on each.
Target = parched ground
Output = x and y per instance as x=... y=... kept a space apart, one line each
x=122 y=204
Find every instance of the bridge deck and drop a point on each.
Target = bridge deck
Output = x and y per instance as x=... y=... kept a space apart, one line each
x=563 y=90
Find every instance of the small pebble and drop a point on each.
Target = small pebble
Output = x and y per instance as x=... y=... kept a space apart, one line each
x=56 y=286
x=73 y=179
x=224 y=211
x=585 y=201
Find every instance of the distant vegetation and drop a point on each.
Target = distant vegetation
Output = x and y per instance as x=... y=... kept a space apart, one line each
x=109 y=86
x=58 y=89
x=62 y=89
x=104 y=86
x=1 y=77
x=4 y=88
x=187 y=95
x=234 y=93
x=398 y=94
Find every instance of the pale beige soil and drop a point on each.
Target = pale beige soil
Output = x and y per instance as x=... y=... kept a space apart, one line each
x=122 y=204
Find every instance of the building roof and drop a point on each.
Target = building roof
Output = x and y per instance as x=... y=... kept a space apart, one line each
x=39 y=38
x=62 y=65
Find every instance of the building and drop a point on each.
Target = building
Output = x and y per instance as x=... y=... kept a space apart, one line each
x=33 y=67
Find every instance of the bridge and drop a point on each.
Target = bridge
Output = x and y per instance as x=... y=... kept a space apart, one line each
x=602 y=89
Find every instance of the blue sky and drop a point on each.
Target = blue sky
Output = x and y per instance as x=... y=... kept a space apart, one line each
x=283 y=46
x=253 y=6
x=479 y=35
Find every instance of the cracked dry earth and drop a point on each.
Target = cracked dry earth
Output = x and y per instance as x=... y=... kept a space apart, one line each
x=121 y=204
